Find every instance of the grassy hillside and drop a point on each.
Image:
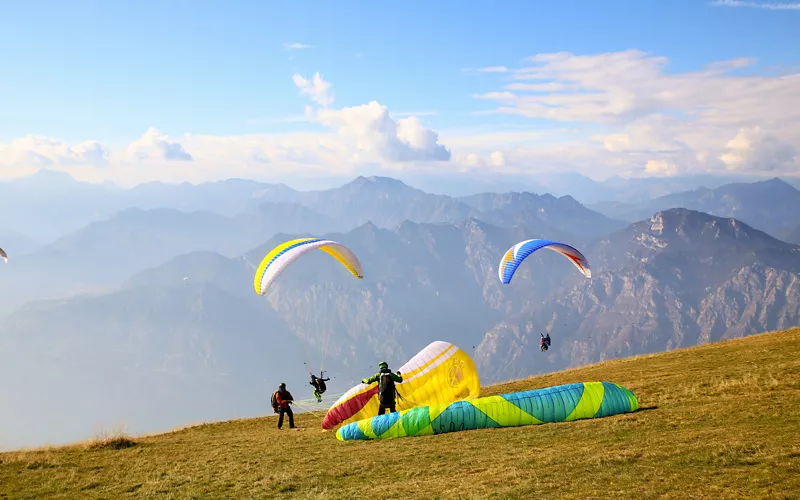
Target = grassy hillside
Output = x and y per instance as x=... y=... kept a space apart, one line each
x=718 y=420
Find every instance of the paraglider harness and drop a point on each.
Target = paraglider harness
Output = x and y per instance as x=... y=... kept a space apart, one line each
x=274 y=401
x=544 y=343
x=387 y=386
x=387 y=389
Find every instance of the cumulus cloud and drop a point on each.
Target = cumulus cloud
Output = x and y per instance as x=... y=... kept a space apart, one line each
x=754 y=149
x=41 y=152
x=155 y=145
x=375 y=131
x=660 y=168
x=371 y=127
x=316 y=89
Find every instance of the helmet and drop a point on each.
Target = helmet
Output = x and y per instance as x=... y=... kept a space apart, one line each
x=383 y=365
x=282 y=386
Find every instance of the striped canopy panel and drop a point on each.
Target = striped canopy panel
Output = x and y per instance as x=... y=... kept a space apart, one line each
x=562 y=403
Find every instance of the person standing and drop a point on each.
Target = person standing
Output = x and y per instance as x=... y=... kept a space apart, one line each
x=386 y=387
x=281 y=401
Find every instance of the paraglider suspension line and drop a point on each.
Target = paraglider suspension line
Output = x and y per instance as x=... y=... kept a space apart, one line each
x=325 y=335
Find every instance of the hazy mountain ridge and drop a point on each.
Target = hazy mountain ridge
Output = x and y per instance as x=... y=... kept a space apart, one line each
x=793 y=236
x=772 y=206
x=150 y=356
x=105 y=253
x=100 y=256
x=51 y=204
x=564 y=213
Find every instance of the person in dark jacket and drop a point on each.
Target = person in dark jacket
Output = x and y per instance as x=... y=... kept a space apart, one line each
x=319 y=386
x=283 y=399
x=386 y=387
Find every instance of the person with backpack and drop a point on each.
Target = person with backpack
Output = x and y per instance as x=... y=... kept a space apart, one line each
x=319 y=385
x=281 y=399
x=386 y=387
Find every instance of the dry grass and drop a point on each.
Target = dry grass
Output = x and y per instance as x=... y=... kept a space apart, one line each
x=717 y=421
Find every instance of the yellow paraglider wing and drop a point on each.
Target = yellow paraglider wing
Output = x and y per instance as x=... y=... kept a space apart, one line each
x=284 y=254
x=441 y=373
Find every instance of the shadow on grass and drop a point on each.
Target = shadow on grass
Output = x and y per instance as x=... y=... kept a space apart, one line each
x=646 y=408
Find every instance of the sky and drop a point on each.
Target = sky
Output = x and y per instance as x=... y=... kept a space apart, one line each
x=130 y=92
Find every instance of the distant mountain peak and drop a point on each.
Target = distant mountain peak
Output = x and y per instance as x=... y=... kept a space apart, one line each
x=377 y=181
x=48 y=178
x=682 y=226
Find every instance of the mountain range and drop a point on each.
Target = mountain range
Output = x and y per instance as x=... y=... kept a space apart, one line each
x=150 y=316
x=51 y=204
x=770 y=205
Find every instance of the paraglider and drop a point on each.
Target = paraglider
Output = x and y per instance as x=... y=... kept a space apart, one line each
x=562 y=403
x=4 y=255
x=284 y=254
x=516 y=254
x=319 y=385
x=280 y=257
x=439 y=374
x=544 y=343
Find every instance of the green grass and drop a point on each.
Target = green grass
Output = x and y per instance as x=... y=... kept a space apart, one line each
x=717 y=421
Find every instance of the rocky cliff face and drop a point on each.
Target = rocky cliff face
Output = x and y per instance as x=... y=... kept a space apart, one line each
x=678 y=279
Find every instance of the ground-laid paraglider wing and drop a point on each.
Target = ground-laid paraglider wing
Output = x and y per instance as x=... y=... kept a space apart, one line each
x=439 y=374
x=563 y=403
x=284 y=254
x=516 y=254
x=3 y=255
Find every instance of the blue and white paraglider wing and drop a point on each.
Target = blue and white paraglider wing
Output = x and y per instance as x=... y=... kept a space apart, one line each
x=519 y=252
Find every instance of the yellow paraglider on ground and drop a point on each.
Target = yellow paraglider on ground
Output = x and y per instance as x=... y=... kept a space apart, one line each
x=439 y=374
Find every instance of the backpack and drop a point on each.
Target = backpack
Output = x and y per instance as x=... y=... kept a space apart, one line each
x=386 y=389
x=274 y=401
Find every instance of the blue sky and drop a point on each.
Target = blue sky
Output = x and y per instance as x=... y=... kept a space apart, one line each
x=107 y=71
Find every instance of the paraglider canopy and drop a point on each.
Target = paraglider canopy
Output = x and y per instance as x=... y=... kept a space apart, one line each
x=516 y=254
x=440 y=373
x=3 y=255
x=284 y=254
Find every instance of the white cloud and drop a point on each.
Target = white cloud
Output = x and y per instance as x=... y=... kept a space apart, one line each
x=155 y=145
x=295 y=46
x=660 y=168
x=757 y=5
x=498 y=159
x=316 y=89
x=375 y=132
x=754 y=149
x=42 y=152
x=650 y=121
x=600 y=115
